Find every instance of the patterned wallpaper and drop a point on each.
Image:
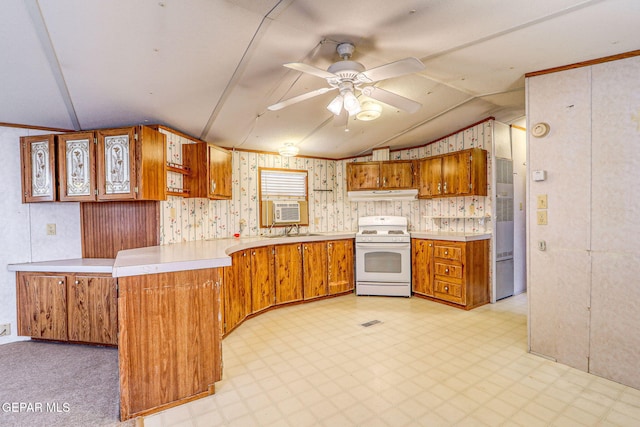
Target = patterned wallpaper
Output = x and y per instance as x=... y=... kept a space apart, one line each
x=185 y=219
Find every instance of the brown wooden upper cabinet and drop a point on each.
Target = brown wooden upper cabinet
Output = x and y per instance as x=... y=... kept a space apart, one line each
x=38 y=163
x=110 y=164
x=463 y=173
x=390 y=175
x=210 y=171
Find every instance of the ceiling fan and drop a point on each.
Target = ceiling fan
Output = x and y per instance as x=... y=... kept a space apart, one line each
x=348 y=76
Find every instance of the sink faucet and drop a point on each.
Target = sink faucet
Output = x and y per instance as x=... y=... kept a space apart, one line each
x=289 y=229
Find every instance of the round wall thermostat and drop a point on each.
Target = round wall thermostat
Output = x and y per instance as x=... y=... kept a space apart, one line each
x=540 y=129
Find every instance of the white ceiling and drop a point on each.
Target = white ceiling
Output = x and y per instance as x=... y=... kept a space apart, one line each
x=210 y=68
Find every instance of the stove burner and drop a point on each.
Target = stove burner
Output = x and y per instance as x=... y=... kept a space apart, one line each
x=395 y=232
x=369 y=231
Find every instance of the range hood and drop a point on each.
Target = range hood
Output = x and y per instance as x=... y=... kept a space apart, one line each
x=382 y=195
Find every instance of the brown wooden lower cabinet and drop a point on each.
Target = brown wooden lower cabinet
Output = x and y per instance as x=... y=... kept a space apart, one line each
x=169 y=346
x=456 y=273
x=288 y=273
x=68 y=307
x=314 y=268
x=340 y=266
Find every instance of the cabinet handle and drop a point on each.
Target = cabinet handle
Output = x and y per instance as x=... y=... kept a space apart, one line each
x=330 y=245
x=446 y=288
x=253 y=253
x=445 y=187
x=446 y=252
x=439 y=188
x=299 y=248
x=384 y=181
x=446 y=270
x=378 y=182
x=244 y=254
x=430 y=245
x=61 y=282
x=213 y=185
x=77 y=282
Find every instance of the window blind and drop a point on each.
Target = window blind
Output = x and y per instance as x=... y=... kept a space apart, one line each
x=278 y=184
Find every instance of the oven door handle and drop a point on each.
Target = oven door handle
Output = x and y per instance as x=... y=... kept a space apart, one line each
x=390 y=245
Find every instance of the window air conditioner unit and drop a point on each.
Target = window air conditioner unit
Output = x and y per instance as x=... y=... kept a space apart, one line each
x=286 y=212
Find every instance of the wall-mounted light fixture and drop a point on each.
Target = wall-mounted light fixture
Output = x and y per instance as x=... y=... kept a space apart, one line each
x=289 y=150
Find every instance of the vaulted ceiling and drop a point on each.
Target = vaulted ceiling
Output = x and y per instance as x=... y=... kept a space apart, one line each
x=210 y=68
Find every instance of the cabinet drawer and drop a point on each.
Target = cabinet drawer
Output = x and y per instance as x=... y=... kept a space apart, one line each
x=448 y=270
x=451 y=252
x=448 y=291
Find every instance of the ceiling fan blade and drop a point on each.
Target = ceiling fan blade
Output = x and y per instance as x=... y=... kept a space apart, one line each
x=393 y=69
x=296 y=99
x=310 y=69
x=391 y=98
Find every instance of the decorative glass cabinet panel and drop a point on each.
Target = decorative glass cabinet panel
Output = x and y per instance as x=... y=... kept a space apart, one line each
x=116 y=173
x=76 y=170
x=38 y=168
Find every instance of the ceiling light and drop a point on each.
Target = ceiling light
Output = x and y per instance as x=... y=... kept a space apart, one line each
x=370 y=111
x=289 y=150
x=335 y=106
x=351 y=103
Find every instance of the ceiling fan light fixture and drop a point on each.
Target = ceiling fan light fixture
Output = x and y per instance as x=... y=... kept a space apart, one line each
x=351 y=103
x=335 y=106
x=289 y=150
x=370 y=111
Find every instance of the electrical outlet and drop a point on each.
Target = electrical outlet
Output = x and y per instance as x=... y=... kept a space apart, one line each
x=5 y=330
x=542 y=245
x=51 y=229
x=542 y=201
x=542 y=217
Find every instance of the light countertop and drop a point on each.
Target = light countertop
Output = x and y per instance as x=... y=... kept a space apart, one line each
x=199 y=254
x=450 y=235
x=77 y=265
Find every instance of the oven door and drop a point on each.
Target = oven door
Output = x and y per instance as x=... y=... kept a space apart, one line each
x=383 y=262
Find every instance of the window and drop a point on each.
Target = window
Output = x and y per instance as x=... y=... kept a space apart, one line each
x=282 y=185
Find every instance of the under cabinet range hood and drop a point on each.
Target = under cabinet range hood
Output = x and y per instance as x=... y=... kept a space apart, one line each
x=382 y=195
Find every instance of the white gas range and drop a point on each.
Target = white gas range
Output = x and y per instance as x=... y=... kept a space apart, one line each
x=383 y=256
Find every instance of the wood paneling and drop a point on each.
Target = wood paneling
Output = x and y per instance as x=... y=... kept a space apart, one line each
x=422 y=266
x=110 y=227
x=169 y=342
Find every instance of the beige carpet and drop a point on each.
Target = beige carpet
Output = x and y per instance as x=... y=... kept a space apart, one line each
x=52 y=384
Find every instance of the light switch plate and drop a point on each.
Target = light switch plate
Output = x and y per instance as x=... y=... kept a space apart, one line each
x=51 y=229
x=542 y=201
x=542 y=217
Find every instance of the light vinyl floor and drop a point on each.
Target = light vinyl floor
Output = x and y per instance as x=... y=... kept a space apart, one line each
x=421 y=364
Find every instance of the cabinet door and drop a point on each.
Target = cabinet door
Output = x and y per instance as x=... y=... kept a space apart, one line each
x=76 y=167
x=150 y=167
x=38 y=162
x=340 y=266
x=219 y=170
x=363 y=176
x=235 y=294
x=92 y=309
x=430 y=177
x=450 y=175
x=46 y=305
x=422 y=266
x=472 y=166
x=396 y=174
x=262 y=283
x=115 y=164
x=314 y=267
x=288 y=268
